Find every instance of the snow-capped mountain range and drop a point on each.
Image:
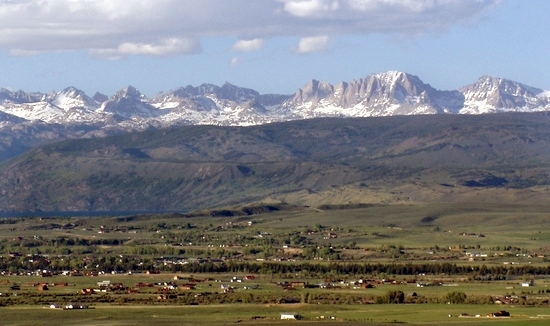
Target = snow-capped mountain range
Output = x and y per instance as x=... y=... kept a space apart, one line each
x=384 y=94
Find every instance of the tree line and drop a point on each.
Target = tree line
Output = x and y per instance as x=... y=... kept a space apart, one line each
x=303 y=269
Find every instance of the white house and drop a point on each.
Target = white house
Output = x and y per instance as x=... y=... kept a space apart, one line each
x=288 y=316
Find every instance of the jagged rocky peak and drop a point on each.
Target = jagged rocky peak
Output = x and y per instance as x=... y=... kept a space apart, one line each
x=18 y=96
x=314 y=90
x=185 y=92
x=99 y=97
x=235 y=93
x=205 y=89
x=129 y=103
x=227 y=92
x=72 y=92
x=5 y=94
x=410 y=84
x=128 y=92
x=191 y=91
x=394 y=85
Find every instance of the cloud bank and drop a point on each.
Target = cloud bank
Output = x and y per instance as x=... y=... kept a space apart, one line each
x=114 y=29
x=312 y=44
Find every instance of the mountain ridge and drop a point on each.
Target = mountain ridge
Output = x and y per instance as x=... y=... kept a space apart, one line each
x=41 y=118
x=381 y=94
x=377 y=160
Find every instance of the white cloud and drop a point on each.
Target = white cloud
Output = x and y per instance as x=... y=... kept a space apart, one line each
x=304 y=8
x=413 y=5
x=248 y=45
x=115 y=28
x=312 y=44
x=164 y=48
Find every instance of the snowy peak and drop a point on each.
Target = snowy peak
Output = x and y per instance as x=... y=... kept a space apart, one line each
x=390 y=93
x=128 y=92
x=72 y=97
x=492 y=94
x=211 y=104
x=72 y=92
x=399 y=86
x=129 y=103
x=393 y=78
x=490 y=84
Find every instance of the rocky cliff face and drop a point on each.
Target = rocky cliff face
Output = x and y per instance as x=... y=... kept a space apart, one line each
x=391 y=93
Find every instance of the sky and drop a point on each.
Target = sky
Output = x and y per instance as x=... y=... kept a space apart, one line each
x=272 y=46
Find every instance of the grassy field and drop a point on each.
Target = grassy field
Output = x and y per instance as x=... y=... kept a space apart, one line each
x=269 y=314
x=400 y=234
x=447 y=230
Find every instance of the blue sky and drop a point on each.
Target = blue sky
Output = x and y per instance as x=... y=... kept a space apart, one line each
x=273 y=46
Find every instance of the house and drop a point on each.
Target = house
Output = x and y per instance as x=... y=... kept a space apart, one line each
x=144 y=285
x=500 y=313
x=188 y=286
x=104 y=283
x=228 y=289
x=528 y=284
x=297 y=284
x=87 y=291
x=163 y=297
x=75 y=306
x=290 y=316
x=42 y=287
x=152 y=272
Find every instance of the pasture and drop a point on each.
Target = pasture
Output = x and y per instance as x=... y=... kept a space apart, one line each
x=193 y=269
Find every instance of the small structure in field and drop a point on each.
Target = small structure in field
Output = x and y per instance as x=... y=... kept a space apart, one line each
x=500 y=313
x=290 y=316
x=73 y=306
x=188 y=286
x=42 y=287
